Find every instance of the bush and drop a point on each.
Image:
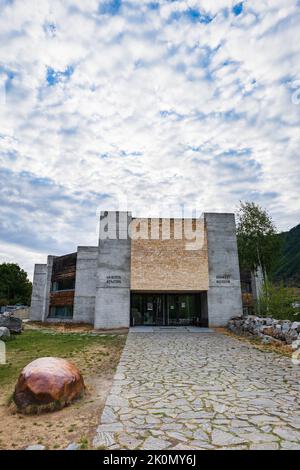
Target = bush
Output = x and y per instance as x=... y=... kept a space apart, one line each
x=276 y=301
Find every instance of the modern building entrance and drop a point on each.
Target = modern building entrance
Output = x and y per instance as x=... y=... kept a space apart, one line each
x=172 y=309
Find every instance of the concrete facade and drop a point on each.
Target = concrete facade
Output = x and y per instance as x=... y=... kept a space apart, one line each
x=41 y=290
x=38 y=292
x=107 y=274
x=112 y=307
x=224 y=298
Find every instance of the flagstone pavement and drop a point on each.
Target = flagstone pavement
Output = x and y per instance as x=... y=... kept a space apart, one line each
x=194 y=390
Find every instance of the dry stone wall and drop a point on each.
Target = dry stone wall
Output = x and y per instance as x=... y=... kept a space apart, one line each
x=269 y=330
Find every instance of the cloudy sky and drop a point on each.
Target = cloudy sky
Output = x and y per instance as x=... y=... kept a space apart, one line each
x=163 y=103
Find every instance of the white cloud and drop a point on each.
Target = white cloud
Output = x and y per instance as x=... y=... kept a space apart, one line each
x=160 y=109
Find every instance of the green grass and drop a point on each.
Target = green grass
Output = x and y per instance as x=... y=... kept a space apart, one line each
x=32 y=344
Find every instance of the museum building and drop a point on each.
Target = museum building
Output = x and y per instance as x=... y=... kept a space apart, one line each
x=158 y=272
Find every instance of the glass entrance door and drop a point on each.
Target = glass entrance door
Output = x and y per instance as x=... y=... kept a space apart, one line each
x=147 y=309
x=164 y=309
x=182 y=309
x=153 y=310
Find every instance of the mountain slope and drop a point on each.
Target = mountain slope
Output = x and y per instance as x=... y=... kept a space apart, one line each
x=287 y=268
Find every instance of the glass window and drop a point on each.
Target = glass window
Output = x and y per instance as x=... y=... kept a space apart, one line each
x=246 y=287
x=61 y=311
x=63 y=284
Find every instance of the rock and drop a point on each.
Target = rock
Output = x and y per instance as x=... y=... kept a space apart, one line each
x=285 y=327
x=72 y=446
x=224 y=439
x=153 y=443
x=47 y=384
x=268 y=331
x=267 y=328
x=36 y=447
x=287 y=434
x=13 y=324
x=287 y=445
x=291 y=336
x=4 y=333
x=264 y=446
x=269 y=340
x=296 y=344
x=104 y=439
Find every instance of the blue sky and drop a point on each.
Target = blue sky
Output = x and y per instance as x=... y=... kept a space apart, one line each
x=163 y=103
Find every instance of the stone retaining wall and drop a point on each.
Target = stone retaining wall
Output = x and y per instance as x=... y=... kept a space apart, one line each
x=268 y=329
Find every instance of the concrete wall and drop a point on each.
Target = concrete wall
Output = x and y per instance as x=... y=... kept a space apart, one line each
x=85 y=284
x=112 y=306
x=39 y=309
x=224 y=295
x=48 y=287
x=168 y=264
x=38 y=292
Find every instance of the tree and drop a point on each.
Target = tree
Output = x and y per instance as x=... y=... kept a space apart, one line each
x=15 y=286
x=258 y=242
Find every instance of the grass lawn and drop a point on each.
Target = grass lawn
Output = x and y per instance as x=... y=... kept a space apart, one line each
x=96 y=357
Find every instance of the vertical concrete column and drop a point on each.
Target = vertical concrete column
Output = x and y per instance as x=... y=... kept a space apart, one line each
x=112 y=305
x=224 y=297
x=85 y=284
x=48 y=287
x=38 y=292
x=40 y=297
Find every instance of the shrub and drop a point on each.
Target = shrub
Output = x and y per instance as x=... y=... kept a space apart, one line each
x=276 y=301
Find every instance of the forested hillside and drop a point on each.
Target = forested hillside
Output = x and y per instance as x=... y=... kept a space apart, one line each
x=287 y=268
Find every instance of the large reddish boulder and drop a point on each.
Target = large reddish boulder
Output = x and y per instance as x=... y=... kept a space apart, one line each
x=47 y=384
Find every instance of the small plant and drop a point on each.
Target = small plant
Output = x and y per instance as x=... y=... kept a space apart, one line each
x=9 y=399
x=83 y=443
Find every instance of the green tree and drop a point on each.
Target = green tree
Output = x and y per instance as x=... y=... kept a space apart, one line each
x=258 y=242
x=15 y=286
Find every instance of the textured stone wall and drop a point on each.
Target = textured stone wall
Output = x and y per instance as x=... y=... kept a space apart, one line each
x=268 y=329
x=166 y=265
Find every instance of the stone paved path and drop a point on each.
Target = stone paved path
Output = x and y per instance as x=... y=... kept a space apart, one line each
x=200 y=391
